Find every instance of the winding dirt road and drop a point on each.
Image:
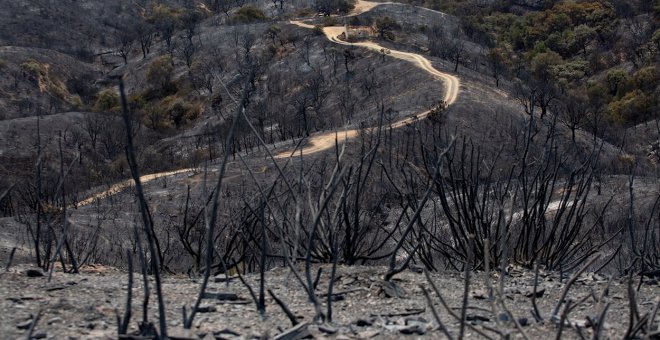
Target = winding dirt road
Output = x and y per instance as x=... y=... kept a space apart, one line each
x=118 y=187
x=326 y=140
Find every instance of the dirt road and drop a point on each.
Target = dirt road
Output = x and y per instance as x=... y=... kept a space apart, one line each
x=118 y=187
x=326 y=140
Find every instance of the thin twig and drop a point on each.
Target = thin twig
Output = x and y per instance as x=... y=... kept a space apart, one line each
x=536 y=312
x=449 y=310
x=601 y=322
x=292 y=317
x=466 y=286
x=11 y=258
x=216 y=198
x=146 y=215
x=122 y=325
x=569 y=284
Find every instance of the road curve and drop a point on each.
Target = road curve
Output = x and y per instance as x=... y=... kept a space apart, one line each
x=326 y=140
x=323 y=141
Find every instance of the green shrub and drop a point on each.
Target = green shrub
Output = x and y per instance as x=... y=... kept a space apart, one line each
x=34 y=68
x=179 y=111
x=170 y=113
x=76 y=102
x=160 y=73
x=107 y=101
x=248 y=14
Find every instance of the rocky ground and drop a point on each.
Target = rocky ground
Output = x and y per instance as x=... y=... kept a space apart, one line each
x=84 y=306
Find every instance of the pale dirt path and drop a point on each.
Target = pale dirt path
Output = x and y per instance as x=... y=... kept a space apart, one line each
x=118 y=187
x=323 y=141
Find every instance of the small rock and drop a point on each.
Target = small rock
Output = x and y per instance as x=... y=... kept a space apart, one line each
x=539 y=293
x=299 y=331
x=34 y=273
x=391 y=289
x=329 y=329
x=415 y=321
x=39 y=335
x=24 y=325
x=413 y=329
x=55 y=320
x=225 y=333
x=476 y=317
x=524 y=322
x=368 y=334
x=480 y=294
x=206 y=309
x=54 y=288
x=220 y=296
x=364 y=323
x=181 y=334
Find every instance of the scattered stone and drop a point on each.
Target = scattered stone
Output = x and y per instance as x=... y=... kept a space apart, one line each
x=413 y=329
x=480 y=294
x=368 y=334
x=54 y=288
x=206 y=309
x=299 y=331
x=34 y=273
x=329 y=329
x=225 y=333
x=39 y=335
x=477 y=318
x=181 y=334
x=415 y=321
x=391 y=289
x=220 y=296
x=55 y=320
x=407 y=312
x=539 y=293
x=24 y=325
x=364 y=323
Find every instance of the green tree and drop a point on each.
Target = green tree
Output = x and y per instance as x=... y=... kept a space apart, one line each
x=160 y=73
x=248 y=14
x=107 y=101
